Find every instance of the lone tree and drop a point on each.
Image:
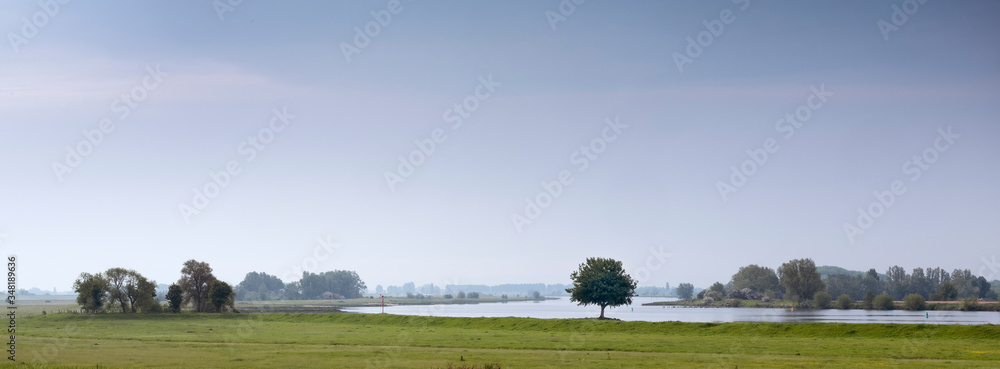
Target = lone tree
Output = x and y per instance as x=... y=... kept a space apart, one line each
x=685 y=291
x=601 y=282
x=800 y=278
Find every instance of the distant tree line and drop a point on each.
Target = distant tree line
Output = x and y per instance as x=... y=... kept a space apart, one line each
x=127 y=291
x=801 y=280
x=337 y=284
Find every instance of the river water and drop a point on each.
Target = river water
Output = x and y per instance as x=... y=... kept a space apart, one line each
x=563 y=308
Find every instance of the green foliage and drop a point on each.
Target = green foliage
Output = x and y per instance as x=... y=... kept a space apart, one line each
x=91 y=292
x=472 y=295
x=175 y=297
x=946 y=292
x=448 y=296
x=196 y=280
x=536 y=295
x=822 y=299
x=685 y=290
x=718 y=287
x=221 y=296
x=733 y=303
x=869 y=301
x=970 y=304
x=343 y=283
x=914 y=302
x=259 y=286
x=601 y=282
x=756 y=278
x=883 y=302
x=844 y=301
x=461 y=294
x=800 y=278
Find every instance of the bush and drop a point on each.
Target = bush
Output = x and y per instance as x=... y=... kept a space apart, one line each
x=461 y=294
x=714 y=295
x=869 y=302
x=845 y=301
x=701 y=294
x=744 y=294
x=473 y=295
x=447 y=296
x=914 y=302
x=970 y=304
x=733 y=303
x=822 y=300
x=156 y=308
x=708 y=301
x=882 y=302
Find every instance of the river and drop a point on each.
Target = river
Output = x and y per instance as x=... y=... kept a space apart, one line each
x=563 y=308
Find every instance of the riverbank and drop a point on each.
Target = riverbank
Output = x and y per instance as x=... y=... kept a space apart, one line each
x=789 y=304
x=384 y=340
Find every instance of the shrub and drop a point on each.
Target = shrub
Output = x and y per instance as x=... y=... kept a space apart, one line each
x=744 y=294
x=714 y=295
x=869 y=302
x=845 y=301
x=733 y=303
x=914 y=302
x=970 y=304
x=473 y=295
x=882 y=302
x=701 y=294
x=447 y=296
x=708 y=301
x=822 y=299
x=461 y=294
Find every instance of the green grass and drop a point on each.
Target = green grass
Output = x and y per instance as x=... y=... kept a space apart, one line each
x=374 y=340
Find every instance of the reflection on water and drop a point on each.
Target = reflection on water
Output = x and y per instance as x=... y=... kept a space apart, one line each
x=563 y=308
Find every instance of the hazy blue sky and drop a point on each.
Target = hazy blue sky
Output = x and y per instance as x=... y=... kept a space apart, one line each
x=184 y=90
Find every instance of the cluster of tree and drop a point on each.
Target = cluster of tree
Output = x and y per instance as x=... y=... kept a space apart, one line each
x=461 y=295
x=127 y=291
x=801 y=280
x=333 y=284
x=117 y=289
x=259 y=287
x=933 y=284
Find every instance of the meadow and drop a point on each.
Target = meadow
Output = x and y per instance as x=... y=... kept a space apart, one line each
x=302 y=340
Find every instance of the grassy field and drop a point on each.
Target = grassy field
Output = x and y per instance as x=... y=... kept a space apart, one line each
x=394 y=341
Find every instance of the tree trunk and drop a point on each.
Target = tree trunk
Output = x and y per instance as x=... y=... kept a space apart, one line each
x=602 y=311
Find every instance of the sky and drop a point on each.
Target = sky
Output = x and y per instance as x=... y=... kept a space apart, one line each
x=455 y=142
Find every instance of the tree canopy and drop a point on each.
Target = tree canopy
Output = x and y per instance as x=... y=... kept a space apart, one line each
x=196 y=280
x=601 y=282
x=800 y=278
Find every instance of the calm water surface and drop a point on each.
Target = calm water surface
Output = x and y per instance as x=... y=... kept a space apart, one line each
x=563 y=308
